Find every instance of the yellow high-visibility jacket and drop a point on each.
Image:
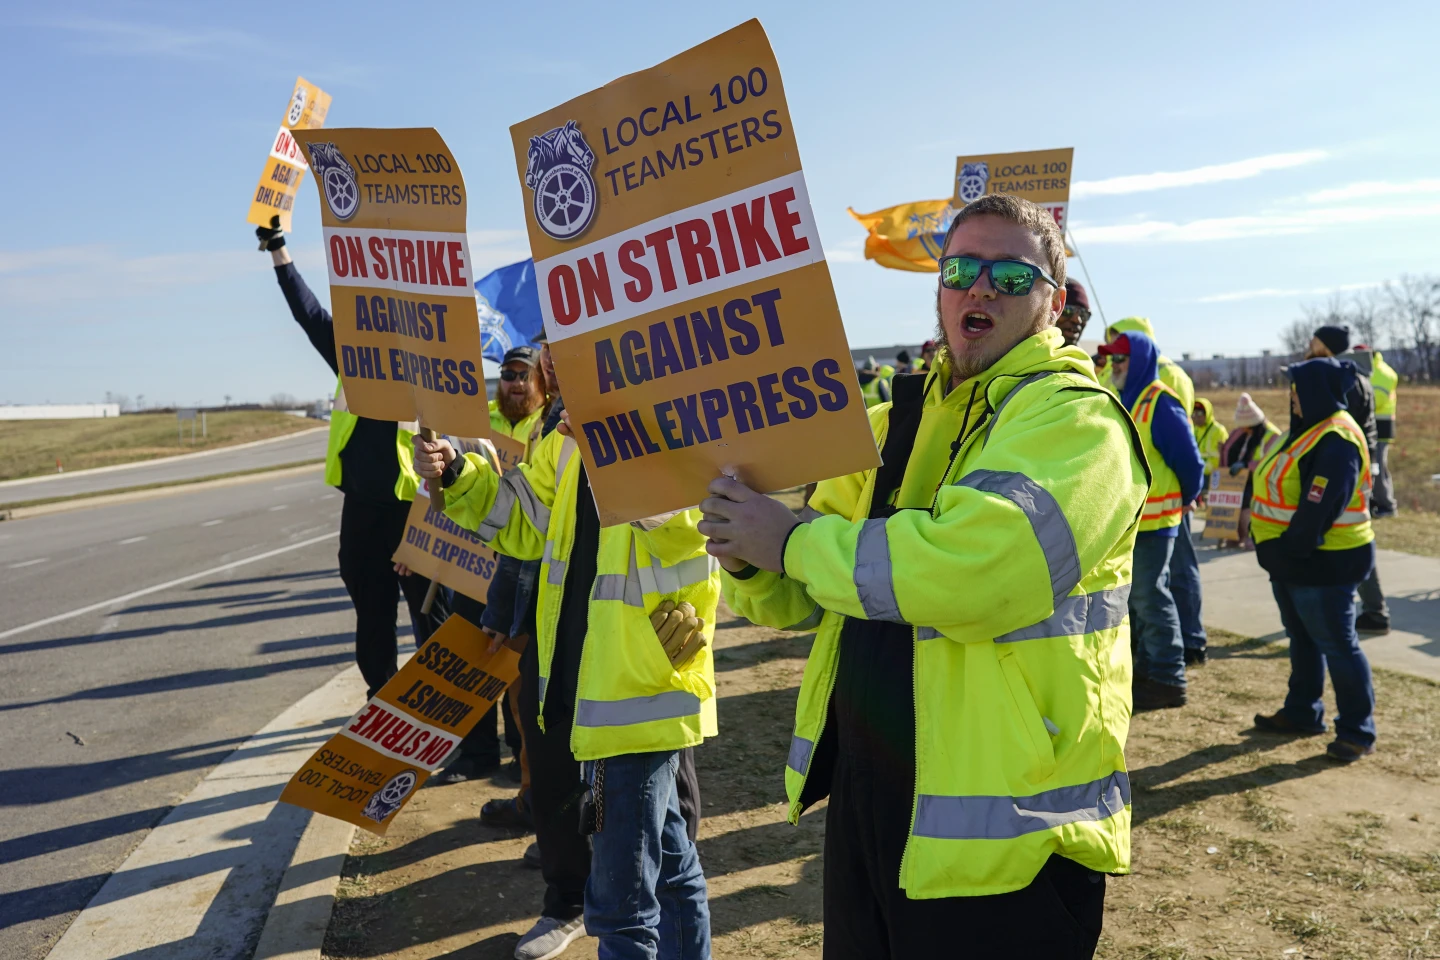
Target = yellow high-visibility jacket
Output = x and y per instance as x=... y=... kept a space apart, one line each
x=1210 y=437
x=1386 y=383
x=342 y=426
x=1014 y=569
x=629 y=698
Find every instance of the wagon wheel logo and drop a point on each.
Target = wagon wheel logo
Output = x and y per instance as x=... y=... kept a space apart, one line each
x=297 y=106
x=565 y=198
x=337 y=179
x=388 y=798
x=972 y=181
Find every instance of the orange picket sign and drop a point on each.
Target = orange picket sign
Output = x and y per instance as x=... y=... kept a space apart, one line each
x=285 y=167
x=686 y=297
x=365 y=773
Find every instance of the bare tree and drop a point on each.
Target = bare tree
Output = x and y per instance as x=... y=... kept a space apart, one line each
x=283 y=401
x=1295 y=337
x=1414 y=307
x=1369 y=318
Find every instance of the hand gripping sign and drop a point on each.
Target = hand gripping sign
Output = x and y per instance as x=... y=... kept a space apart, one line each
x=401 y=288
x=1040 y=176
x=685 y=294
x=382 y=755
x=438 y=548
x=285 y=167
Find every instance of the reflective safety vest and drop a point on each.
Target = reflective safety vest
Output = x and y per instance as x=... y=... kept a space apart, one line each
x=1277 y=490
x=342 y=425
x=1163 y=507
x=1386 y=383
x=629 y=698
x=1210 y=438
x=523 y=430
x=1022 y=684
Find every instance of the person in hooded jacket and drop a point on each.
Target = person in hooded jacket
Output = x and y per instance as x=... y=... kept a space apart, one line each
x=1210 y=435
x=1177 y=470
x=1311 y=524
x=1184 y=564
x=1169 y=372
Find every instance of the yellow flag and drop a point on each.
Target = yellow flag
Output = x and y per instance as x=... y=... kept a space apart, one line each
x=907 y=237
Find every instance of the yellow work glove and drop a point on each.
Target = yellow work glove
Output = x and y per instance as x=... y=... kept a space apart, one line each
x=681 y=632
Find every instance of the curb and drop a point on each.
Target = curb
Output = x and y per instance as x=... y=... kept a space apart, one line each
x=295 y=929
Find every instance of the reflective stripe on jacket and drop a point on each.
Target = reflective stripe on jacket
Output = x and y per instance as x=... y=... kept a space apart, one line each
x=1277 y=490
x=1010 y=556
x=629 y=698
x=1164 y=506
x=342 y=425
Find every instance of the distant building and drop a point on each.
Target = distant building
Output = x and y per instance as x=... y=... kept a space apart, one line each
x=59 y=411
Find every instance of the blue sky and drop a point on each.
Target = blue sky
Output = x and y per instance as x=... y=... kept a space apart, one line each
x=1233 y=161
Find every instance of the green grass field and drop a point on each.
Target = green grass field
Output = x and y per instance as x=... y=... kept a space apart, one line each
x=29 y=448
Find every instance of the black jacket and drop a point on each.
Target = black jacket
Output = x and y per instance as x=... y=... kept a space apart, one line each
x=369 y=464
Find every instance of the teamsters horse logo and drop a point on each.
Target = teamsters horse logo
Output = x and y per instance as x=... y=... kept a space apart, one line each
x=973 y=178
x=337 y=179
x=492 y=327
x=388 y=798
x=559 y=175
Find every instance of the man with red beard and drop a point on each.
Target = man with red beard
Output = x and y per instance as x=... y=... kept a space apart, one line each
x=520 y=395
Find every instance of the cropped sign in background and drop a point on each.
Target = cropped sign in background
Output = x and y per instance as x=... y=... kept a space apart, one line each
x=1222 y=517
x=401 y=290
x=382 y=755
x=1040 y=176
x=686 y=297
x=285 y=167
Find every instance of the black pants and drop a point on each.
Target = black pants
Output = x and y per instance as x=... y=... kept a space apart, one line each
x=555 y=790
x=867 y=915
x=370 y=531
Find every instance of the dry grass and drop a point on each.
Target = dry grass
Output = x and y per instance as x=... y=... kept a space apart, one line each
x=1245 y=845
x=29 y=448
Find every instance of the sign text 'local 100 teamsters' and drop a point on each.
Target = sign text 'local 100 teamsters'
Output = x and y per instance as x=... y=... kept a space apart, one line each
x=685 y=294
x=385 y=752
x=1040 y=176
x=407 y=334
x=285 y=167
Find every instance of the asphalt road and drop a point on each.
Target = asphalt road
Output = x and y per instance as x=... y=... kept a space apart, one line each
x=295 y=448
x=113 y=716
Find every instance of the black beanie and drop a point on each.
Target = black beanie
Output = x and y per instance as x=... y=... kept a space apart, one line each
x=1336 y=339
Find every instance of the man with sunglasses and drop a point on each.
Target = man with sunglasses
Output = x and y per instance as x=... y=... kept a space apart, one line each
x=967 y=696
x=1177 y=470
x=520 y=396
x=1076 y=313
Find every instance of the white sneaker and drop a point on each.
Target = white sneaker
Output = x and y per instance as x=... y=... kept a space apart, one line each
x=549 y=938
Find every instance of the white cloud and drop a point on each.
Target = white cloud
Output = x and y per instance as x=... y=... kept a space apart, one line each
x=1216 y=173
x=153 y=39
x=1373 y=188
x=1239 y=228
x=1268 y=292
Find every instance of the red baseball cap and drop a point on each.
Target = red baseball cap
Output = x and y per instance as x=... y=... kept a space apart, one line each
x=1120 y=345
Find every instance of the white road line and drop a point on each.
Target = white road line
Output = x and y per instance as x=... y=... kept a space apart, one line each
x=328 y=496
x=291 y=486
x=27 y=563
x=126 y=598
x=279 y=506
x=212 y=523
x=132 y=540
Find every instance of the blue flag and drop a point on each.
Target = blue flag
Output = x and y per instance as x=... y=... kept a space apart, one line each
x=509 y=306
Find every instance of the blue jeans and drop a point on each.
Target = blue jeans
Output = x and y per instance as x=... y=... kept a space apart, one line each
x=1185 y=585
x=1321 y=625
x=646 y=894
x=1154 y=621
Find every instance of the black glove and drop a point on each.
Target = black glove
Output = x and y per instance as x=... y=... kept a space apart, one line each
x=271 y=237
x=1235 y=468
